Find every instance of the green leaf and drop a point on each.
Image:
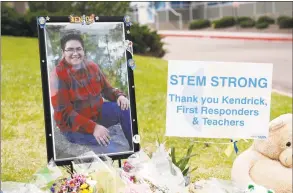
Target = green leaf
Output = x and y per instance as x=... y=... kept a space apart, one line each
x=184 y=158
x=185 y=171
x=179 y=162
x=184 y=161
x=190 y=149
x=193 y=170
x=183 y=165
x=187 y=155
x=173 y=155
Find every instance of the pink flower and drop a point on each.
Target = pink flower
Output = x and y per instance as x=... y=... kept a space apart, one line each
x=127 y=166
x=132 y=178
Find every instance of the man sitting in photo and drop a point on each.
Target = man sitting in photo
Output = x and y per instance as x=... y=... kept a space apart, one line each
x=78 y=88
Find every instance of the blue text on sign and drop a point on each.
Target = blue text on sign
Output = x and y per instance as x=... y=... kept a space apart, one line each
x=219 y=81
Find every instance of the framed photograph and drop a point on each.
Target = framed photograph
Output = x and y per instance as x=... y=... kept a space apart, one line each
x=88 y=87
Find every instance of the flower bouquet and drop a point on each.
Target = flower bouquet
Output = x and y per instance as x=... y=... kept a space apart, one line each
x=90 y=174
x=140 y=173
x=77 y=183
x=94 y=175
x=157 y=172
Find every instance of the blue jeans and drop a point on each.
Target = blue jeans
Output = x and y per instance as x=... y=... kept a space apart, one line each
x=111 y=115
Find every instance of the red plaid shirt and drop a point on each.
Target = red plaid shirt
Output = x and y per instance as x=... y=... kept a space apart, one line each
x=77 y=96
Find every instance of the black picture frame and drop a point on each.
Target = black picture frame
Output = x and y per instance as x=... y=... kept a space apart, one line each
x=46 y=95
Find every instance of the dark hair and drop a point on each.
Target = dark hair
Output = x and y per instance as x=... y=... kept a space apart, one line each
x=71 y=36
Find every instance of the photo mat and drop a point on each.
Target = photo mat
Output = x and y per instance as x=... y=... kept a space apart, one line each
x=106 y=76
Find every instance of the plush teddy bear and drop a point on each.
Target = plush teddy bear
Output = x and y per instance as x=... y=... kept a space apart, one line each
x=268 y=162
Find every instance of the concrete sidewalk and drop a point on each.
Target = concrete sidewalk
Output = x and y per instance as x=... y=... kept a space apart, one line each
x=228 y=35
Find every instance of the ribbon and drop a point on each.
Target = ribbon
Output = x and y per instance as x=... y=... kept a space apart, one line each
x=128 y=46
x=235 y=146
x=127 y=21
x=232 y=146
x=131 y=64
x=42 y=22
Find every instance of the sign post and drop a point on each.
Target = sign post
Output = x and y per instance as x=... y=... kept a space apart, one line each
x=235 y=7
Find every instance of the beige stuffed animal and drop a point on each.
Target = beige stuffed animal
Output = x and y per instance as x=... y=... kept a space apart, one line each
x=268 y=162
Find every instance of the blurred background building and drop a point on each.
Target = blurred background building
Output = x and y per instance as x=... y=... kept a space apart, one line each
x=177 y=14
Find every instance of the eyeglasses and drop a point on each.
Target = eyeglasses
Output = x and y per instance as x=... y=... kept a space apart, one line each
x=72 y=50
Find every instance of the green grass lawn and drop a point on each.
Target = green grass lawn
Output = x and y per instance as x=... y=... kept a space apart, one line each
x=23 y=148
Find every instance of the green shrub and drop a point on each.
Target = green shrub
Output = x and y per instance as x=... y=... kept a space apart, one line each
x=244 y=18
x=199 y=24
x=224 y=22
x=31 y=20
x=12 y=23
x=146 y=42
x=262 y=25
x=266 y=19
x=281 y=18
x=285 y=22
x=247 y=24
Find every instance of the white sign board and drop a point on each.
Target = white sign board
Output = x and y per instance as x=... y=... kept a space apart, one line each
x=218 y=99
